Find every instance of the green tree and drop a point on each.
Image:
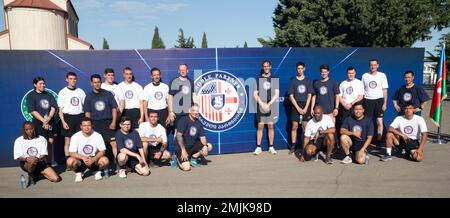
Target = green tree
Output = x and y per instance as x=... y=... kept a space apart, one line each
x=445 y=38
x=105 y=44
x=358 y=23
x=204 y=41
x=245 y=44
x=184 y=42
x=157 y=42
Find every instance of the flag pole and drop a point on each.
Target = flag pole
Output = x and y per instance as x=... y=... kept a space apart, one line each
x=439 y=140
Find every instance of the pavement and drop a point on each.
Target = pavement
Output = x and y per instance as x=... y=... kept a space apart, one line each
x=266 y=175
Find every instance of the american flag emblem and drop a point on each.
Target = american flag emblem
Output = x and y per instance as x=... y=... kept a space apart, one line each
x=218 y=101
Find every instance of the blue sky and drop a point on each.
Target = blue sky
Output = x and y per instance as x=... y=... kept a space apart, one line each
x=129 y=24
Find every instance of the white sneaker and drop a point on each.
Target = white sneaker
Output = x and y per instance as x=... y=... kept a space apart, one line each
x=78 y=177
x=346 y=160
x=123 y=173
x=272 y=150
x=257 y=151
x=98 y=175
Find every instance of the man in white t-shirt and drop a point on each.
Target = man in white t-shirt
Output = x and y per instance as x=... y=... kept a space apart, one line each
x=154 y=139
x=375 y=95
x=154 y=98
x=319 y=136
x=351 y=91
x=132 y=91
x=109 y=85
x=87 y=151
x=70 y=103
x=409 y=132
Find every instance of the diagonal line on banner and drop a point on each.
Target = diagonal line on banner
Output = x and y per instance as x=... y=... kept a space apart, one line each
x=342 y=61
x=145 y=62
x=70 y=65
x=282 y=60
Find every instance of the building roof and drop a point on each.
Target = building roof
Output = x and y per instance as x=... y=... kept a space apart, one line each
x=80 y=41
x=41 y=4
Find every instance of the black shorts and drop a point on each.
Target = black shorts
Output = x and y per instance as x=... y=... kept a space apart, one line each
x=357 y=144
x=373 y=108
x=102 y=127
x=74 y=122
x=342 y=115
x=41 y=131
x=40 y=166
x=152 y=150
x=83 y=167
x=191 y=149
x=295 y=116
x=134 y=115
x=131 y=162
x=409 y=145
x=319 y=144
x=162 y=114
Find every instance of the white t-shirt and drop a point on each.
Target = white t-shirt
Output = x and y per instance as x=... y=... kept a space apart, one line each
x=86 y=146
x=374 y=85
x=146 y=130
x=30 y=147
x=412 y=128
x=71 y=101
x=131 y=93
x=313 y=126
x=349 y=90
x=115 y=90
x=156 y=96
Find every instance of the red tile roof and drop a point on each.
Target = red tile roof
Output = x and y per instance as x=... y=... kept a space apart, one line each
x=42 y=4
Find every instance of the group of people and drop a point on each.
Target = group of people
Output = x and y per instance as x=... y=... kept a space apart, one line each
x=126 y=126
x=349 y=114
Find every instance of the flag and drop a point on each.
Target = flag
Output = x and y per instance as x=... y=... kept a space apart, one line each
x=440 y=90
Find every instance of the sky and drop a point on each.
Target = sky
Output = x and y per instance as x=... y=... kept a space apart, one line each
x=129 y=24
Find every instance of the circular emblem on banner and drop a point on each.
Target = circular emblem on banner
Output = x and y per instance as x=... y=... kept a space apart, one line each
x=185 y=90
x=32 y=151
x=357 y=128
x=24 y=107
x=372 y=84
x=129 y=143
x=407 y=96
x=192 y=131
x=74 y=101
x=88 y=149
x=129 y=94
x=349 y=90
x=323 y=90
x=158 y=95
x=266 y=85
x=222 y=100
x=408 y=129
x=301 y=89
x=99 y=105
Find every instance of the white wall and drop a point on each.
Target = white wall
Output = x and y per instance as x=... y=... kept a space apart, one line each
x=4 y=41
x=32 y=28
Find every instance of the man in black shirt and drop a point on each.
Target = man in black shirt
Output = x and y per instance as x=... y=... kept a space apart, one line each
x=410 y=93
x=326 y=94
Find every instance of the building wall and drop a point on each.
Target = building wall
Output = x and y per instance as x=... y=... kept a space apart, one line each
x=75 y=45
x=72 y=22
x=4 y=41
x=60 y=3
x=46 y=32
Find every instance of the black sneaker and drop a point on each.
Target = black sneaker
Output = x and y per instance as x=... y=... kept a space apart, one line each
x=329 y=160
x=292 y=150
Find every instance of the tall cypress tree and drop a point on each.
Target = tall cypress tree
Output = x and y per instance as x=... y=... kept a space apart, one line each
x=157 y=42
x=204 y=41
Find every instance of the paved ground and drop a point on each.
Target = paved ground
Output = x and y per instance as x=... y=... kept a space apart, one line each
x=246 y=175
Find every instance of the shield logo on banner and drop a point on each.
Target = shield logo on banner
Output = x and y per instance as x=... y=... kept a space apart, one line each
x=218 y=101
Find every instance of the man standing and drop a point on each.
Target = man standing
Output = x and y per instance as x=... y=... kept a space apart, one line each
x=117 y=92
x=356 y=132
x=300 y=92
x=351 y=91
x=132 y=91
x=155 y=98
x=319 y=136
x=326 y=94
x=409 y=132
x=410 y=93
x=42 y=106
x=266 y=95
x=70 y=103
x=375 y=95
x=101 y=106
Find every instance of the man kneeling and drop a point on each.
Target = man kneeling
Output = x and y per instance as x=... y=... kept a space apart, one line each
x=356 y=132
x=319 y=135
x=191 y=140
x=87 y=151
x=405 y=132
x=131 y=151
